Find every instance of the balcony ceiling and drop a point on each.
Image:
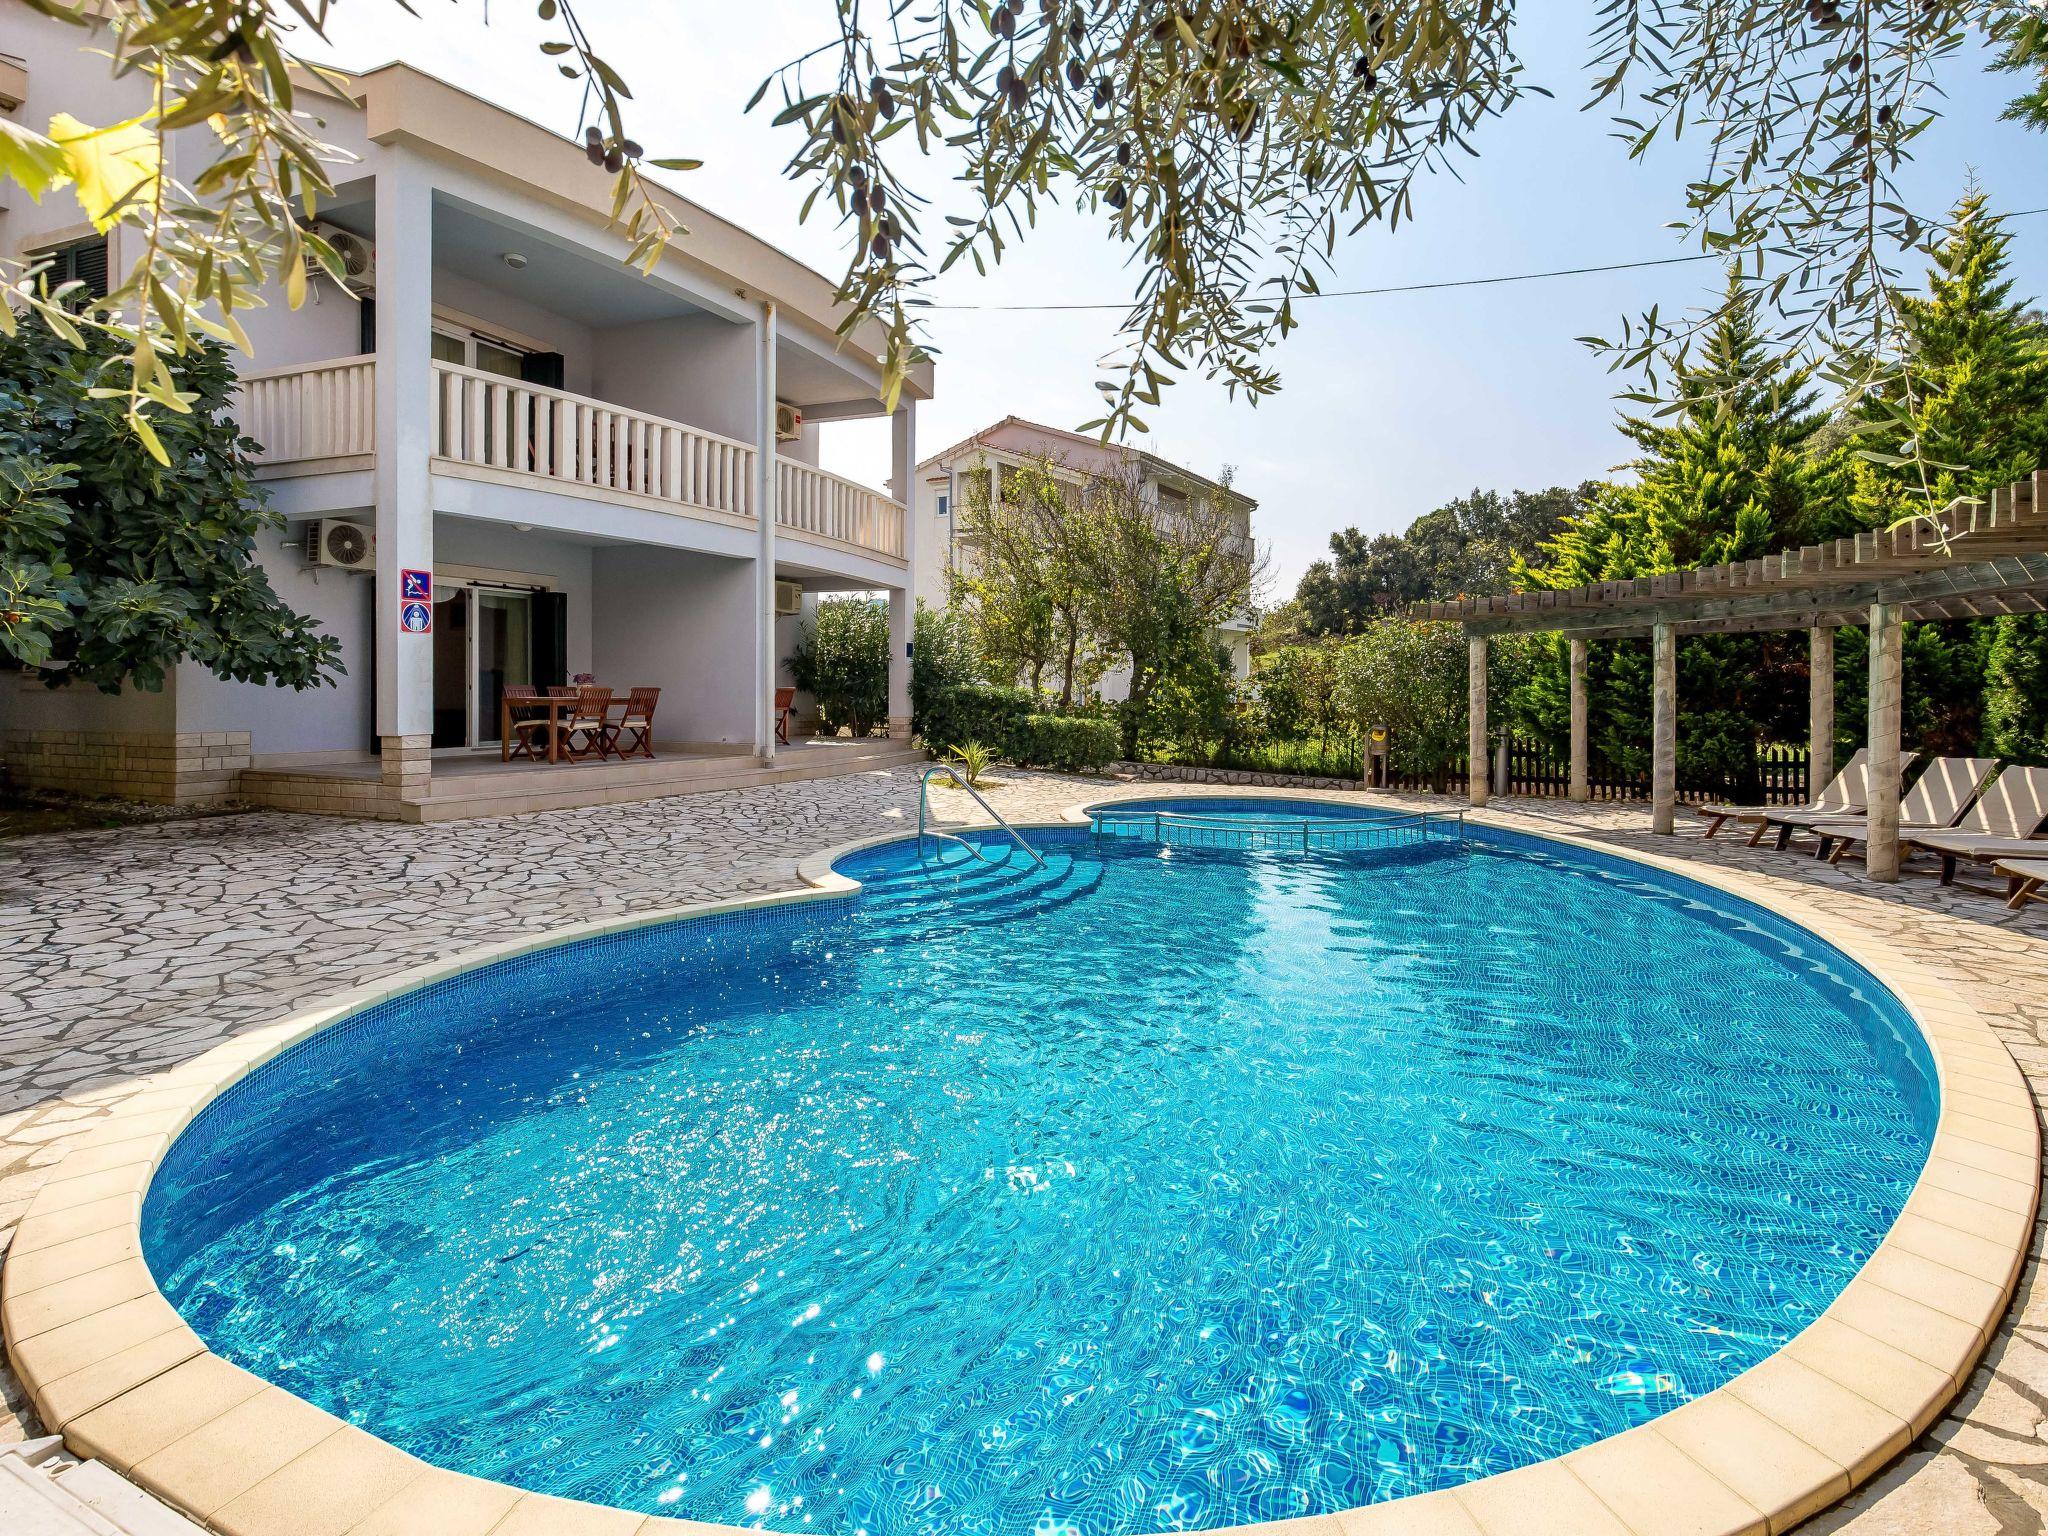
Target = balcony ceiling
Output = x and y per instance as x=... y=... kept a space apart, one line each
x=581 y=287
x=587 y=289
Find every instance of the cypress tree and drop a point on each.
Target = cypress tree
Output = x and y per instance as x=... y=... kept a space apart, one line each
x=1979 y=412
x=1728 y=472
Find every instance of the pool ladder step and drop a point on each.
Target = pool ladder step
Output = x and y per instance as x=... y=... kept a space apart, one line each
x=980 y=892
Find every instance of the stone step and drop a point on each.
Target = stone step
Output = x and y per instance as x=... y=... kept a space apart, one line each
x=543 y=778
x=461 y=798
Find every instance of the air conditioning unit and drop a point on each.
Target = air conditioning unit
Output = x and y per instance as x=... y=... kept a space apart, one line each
x=333 y=541
x=789 y=598
x=789 y=423
x=358 y=258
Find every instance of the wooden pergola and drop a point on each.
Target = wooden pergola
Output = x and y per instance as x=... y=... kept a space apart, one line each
x=1975 y=559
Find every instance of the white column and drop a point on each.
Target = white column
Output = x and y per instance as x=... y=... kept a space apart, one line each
x=765 y=659
x=1475 y=741
x=903 y=600
x=401 y=479
x=1820 y=709
x=1881 y=846
x=1663 y=729
x=1581 y=786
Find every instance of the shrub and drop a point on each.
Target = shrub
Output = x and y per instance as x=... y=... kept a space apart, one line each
x=1064 y=743
x=942 y=656
x=115 y=567
x=1411 y=678
x=1004 y=720
x=842 y=659
x=1308 y=757
x=1296 y=689
x=968 y=712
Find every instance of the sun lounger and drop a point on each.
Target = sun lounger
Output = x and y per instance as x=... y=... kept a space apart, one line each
x=1936 y=802
x=2003 y=823
x=1842 y=796
x=2027 y=877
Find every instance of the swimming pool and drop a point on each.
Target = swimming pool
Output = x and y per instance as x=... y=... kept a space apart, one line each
x=1143 y=1191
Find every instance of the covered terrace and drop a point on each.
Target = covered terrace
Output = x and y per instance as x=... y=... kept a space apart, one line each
x=1974 y=559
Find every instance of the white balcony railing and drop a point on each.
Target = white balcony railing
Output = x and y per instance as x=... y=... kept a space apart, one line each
x=493 y=422
x=810 y=500
x=323 y=416
x=315 y=412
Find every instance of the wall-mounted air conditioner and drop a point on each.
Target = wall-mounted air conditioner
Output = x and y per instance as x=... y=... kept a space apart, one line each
x=789 y=598
x=358 y=258
x=336 y=542
x=789 y=423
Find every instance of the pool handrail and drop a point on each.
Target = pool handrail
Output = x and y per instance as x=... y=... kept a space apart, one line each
x=924 y=785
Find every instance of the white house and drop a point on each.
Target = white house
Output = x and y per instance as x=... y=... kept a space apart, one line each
x=949 y=483
x=506 y=458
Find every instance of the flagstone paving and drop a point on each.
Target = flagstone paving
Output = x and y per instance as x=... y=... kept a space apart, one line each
x=127 y=952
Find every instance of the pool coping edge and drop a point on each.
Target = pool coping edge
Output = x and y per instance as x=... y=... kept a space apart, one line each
x=114 y=1368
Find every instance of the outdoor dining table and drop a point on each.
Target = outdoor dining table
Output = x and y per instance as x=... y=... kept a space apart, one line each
x=550 y=706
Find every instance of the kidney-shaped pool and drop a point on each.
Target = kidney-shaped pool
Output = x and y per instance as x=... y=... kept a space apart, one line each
x=1153 y=1189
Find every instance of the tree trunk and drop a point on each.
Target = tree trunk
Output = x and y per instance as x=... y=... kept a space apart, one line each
x=1067 y=676
x=1134 y=709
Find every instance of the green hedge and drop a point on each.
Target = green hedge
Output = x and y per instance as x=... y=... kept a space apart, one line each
x=1064 y=743
x=1004 y=721
x=952 y=717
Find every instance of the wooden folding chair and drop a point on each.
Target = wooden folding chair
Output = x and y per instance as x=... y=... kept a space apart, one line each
x=587 y=719
x=633 y=733
x=527 y=734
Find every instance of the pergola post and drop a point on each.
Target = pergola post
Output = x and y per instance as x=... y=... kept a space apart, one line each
x=1881 y=846
x=1475 y=682
x=1581 y=780
x=1820 y=709
x=1663 y=730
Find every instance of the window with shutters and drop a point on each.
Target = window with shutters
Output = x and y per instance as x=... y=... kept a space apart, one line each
x=83 y=261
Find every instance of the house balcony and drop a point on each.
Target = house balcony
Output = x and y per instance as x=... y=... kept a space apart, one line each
x=319 y=419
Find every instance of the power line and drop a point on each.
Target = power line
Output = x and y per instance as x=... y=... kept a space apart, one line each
x=1461 y=282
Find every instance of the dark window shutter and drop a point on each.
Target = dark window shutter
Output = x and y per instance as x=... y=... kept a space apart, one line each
x=542 y=368
x=367 y=336
x=89 y=265
x=370 y=671
x=83 y=262
x=550 y=639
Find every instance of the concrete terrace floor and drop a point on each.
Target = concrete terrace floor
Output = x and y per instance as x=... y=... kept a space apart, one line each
x=127 y=952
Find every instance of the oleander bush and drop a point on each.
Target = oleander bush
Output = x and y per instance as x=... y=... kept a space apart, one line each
x=842 y=660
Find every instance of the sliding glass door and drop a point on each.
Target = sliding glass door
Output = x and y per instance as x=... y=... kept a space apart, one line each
x=504 y=654
x=483 y=642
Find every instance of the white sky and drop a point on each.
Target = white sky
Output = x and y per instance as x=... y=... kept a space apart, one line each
x=1390 y=405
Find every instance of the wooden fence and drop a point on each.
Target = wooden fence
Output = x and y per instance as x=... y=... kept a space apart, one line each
x=1778 y=776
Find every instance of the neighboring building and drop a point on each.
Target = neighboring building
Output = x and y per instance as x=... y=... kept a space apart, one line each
x=949 y=483
x=576 y=452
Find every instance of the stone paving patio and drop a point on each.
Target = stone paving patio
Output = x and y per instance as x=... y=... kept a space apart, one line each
x=127 y=952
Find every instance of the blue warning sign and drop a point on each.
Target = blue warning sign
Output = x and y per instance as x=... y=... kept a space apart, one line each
x=416 y=618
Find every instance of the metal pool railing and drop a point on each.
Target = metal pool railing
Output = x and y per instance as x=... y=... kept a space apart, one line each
x=924 y=789
x=1280 y=834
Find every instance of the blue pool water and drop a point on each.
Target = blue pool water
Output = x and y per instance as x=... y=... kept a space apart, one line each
x=1155 y=1189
